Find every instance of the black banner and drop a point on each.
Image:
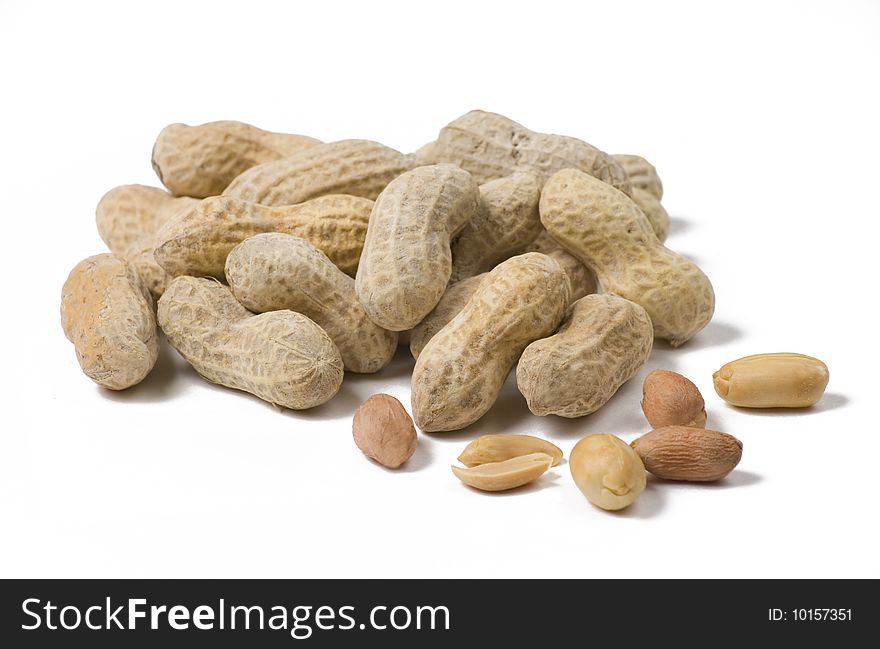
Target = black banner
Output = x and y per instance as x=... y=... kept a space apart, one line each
x=278 y=613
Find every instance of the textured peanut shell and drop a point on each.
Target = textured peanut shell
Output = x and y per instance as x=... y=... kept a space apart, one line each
x=606 y=231
x=141 y=259
x=107 y=313
x=197 y=241
x=274 y=271
x=607 y=471
x=583 y=280
x=128 y=212
x=450 y=305
x=461 y=370
x=506 y=222
x=384 y=431
x=423 y=153
x=356 y=167
x=457 y=295
x=498 y=448
x=781 y=380
x=684 y=453
x=406 y=260
x=492 y=146
x=201 y=161
x=603 y=342
x=281 y=357
x=128 y=218
x=509 y=474
x=651 y=207
x=670 y=399
x=641 y=173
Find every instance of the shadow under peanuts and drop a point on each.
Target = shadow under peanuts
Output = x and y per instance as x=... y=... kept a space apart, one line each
x=829 y=401
x=650 y=503
x=163 y=383
x=736 y=479
x=679 y=225
x=714 y=334
x=548 y=480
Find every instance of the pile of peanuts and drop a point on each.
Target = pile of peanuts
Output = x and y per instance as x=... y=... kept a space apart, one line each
x=274 y=263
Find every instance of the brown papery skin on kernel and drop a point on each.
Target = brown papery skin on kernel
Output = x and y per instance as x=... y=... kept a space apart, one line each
x=384 y=431
x=686 y=453
x=670 y=399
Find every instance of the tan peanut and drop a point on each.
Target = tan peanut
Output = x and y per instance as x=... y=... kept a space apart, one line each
x=492 y=146
x=281 y=357
x=498 y=448
x=607 y=471
x=384 y=431
x=275 y=271
x=603 y=342
x=356 y=167
x=505 y=223
x=406 y=260
x=607 y=231
x=128 y=212
x=201 y=161
x=583 y=280
x=781 y=380
x=450 y=305
x=197 y=241
x=128 y=218
x=651 y=207
x=670 y=399
x=641 y=174
x=684 y=453
x=461 y=370
x=107 y=313
x=423 y=153
x=509 y=474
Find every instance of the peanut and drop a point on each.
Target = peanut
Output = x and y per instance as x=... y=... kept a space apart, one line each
x=498 y=448
x=509 y=474
x=693 y=454
x=384 y=431
x=281 y=357
x=781 y=380
x=200 y=161
x=607 y=231
x=506 y=222
x=461 y=370
x=107 y=313
x=607 y=471
x=670 y=399
x=423 y=153
x=492 y=146
x=274 y=271
x=356 y=167
x=128 y=218
x=197 y=241
x=641 y=174
x=651 y=207
x=406 y=260
x=128 y=212
x=450 y=305
x=603 y=342
x=583 y=280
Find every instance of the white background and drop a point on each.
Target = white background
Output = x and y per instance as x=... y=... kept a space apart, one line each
x=762 y=118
